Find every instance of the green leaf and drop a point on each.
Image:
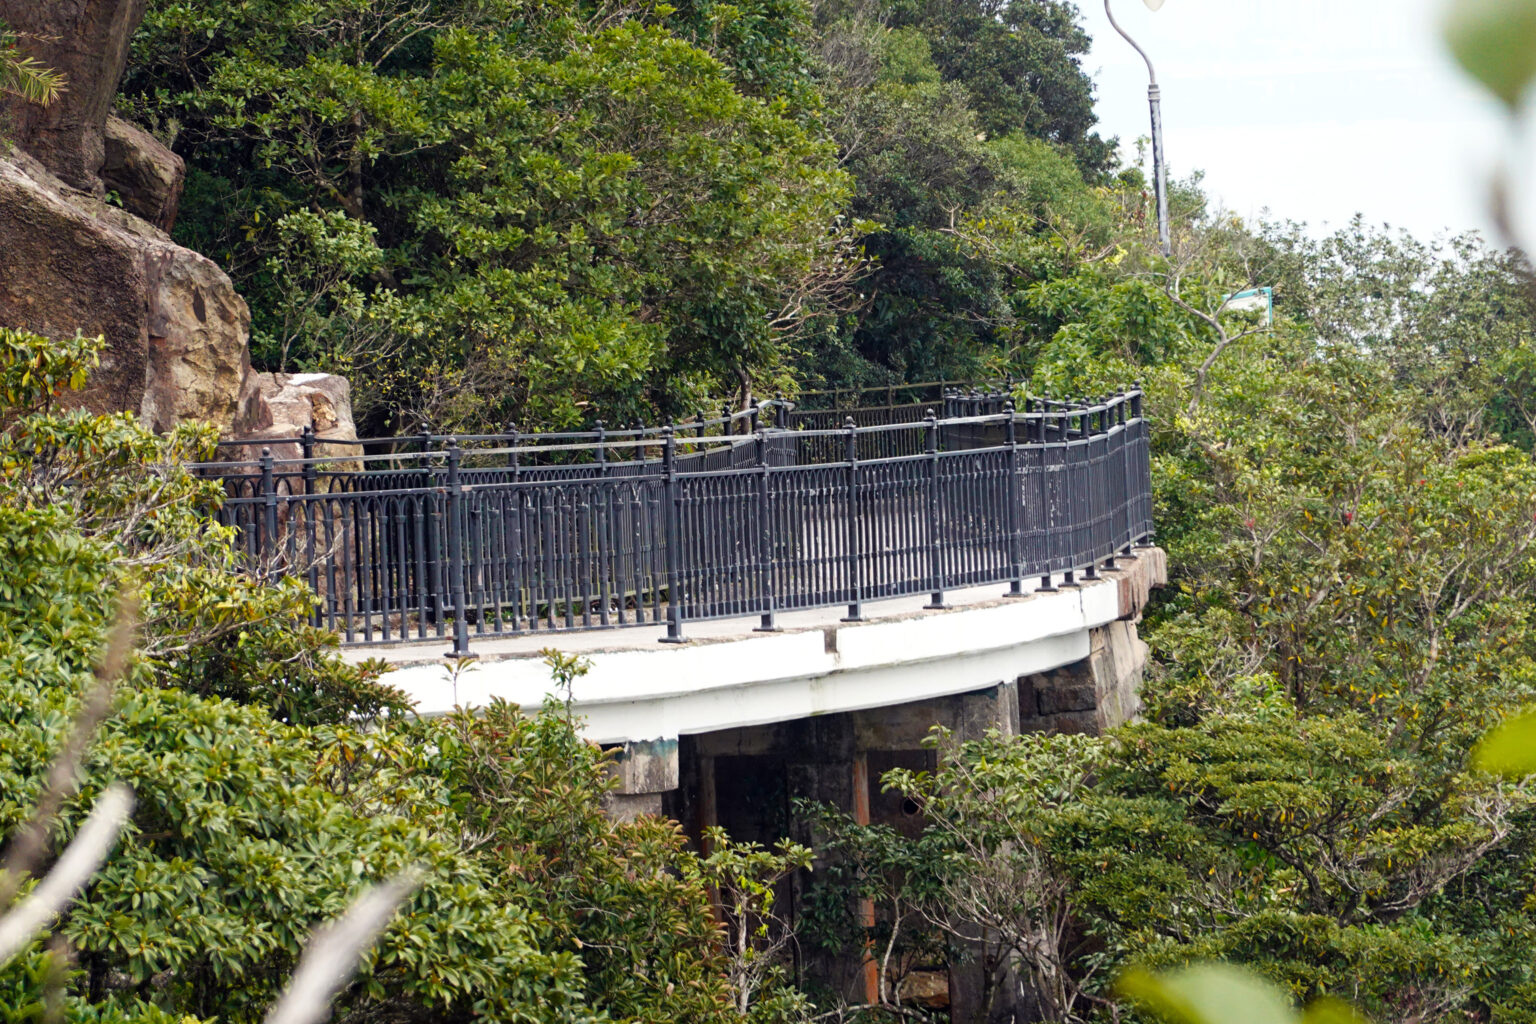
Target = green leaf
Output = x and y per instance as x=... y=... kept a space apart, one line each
x=1208 y=994
x=1495 y=42
x=1510 y=749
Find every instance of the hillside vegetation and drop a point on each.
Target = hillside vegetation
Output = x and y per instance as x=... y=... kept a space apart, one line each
x=549 y=212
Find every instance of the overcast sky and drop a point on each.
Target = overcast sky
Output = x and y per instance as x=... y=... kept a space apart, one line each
x=1314 y=109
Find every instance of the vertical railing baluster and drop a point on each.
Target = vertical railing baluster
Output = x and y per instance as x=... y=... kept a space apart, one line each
x=307 y=447
x=1072 y=423
x=672 y=510
x=765 y=545
x=851 y=525
x=456 y=554
x=581 y=504
x=434 y=548
x=1047 y=510
x=1090 y=501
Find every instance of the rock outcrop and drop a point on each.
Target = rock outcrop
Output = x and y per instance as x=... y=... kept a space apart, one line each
x=177 y=333
x=87 y=42
x=281 y=405
x=143 y=172
x=176 y=330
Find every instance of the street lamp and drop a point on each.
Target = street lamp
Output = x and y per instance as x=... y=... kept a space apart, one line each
x=1155 y=99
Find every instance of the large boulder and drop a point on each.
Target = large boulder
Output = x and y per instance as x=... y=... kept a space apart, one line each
x=87 y=42
x=176 y=331
x=277 y=407
x=143 y=172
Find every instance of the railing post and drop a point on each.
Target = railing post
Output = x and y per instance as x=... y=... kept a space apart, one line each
x=514 y=460
x=673 y=515
x=1073 y=414
x=602 y=448
x=781 y=414
x=269 y=512
x=1144 y=480
x=855 y=590
x=456 y=554
x=1090 y=480
x=1014 y=496
x=935 y=550
x=1047 y=516
x=765 y=555
x=1117 y=418
x=1124 y=409
x=311 y=475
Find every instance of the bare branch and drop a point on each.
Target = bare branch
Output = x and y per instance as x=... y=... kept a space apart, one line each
x=335 y=951
x=31 y=844
x=79 y=862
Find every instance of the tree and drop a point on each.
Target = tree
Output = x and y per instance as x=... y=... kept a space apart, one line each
x=514 y=212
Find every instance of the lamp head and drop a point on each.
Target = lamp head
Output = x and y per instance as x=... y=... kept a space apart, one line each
x=1153 y=4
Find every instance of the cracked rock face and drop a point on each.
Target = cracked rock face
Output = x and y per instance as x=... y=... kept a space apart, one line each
x=176 y=330
x=87 y=42
x=143 y=172
x=281 y=405
x=177 y=333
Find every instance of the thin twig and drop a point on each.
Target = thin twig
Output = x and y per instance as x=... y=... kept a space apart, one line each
x=30 y=845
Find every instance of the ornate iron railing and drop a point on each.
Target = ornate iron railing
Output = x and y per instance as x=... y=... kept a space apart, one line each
x=745 y=515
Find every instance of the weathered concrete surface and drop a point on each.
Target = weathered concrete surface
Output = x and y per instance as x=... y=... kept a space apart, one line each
x=87 y=42
x=1137 y=576
x=176 y=331
x=1092 y=695
x=646 y=770
x=731 y=677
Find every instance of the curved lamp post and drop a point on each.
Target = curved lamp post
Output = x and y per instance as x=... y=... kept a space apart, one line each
x=1155 y=99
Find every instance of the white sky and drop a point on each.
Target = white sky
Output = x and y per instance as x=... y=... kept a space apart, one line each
x=1314 y=109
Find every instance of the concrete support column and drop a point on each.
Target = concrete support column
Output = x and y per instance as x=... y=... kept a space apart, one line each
x=646 y=770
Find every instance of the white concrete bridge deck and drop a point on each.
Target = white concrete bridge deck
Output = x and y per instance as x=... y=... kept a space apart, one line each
x=729 y=676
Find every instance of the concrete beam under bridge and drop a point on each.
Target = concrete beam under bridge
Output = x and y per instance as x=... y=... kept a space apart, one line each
x=643 y=696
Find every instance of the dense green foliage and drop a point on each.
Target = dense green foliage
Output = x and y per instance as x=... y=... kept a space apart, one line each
x=559 y=212
x=487 y=210
x=249 y=830
x=1351 y=535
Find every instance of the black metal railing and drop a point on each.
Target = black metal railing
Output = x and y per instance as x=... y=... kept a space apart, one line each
x=748 y=514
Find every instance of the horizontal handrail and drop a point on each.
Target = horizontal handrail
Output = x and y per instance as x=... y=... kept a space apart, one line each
x=551 y=532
